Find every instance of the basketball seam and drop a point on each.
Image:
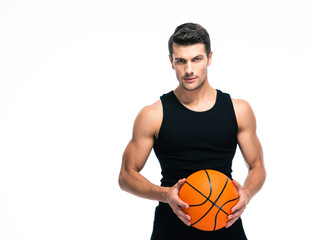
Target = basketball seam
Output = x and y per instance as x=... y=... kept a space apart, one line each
x=207 y=198
x=213 y=204
x=222 y=210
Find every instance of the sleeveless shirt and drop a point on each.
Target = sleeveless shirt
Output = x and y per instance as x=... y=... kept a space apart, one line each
x=189 y=141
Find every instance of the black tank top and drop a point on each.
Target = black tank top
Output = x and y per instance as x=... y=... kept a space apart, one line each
x=189 y=141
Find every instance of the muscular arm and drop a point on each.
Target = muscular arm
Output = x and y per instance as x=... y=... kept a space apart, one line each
x=251 y=149
x=253 y=154
x=146 y=127
x=136 y=154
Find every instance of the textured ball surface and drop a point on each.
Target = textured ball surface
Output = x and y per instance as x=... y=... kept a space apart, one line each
x=210 y=195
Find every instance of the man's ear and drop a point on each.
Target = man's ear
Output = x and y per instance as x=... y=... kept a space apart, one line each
x=171 y=61
x=210 y=59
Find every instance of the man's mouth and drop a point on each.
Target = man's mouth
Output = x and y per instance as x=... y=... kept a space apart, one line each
x=189 y=79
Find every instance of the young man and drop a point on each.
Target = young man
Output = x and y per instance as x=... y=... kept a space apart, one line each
x=191 y=128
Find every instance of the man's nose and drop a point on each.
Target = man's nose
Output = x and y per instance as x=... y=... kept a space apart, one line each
x=189 y=69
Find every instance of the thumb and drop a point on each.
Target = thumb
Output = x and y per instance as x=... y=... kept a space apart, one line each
x=180 y=183
x=237 y=185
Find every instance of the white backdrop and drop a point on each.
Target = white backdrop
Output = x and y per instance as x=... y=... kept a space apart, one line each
x=73 y=76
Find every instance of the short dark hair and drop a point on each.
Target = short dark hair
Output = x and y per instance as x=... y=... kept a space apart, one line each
x=189 y=34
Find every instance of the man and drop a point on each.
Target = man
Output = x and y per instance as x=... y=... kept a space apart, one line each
x=191 y=128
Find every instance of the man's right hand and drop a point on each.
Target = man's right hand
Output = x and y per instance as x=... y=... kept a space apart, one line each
x=176 y=203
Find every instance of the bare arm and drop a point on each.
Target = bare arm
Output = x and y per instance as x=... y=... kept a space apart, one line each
x=253 y=154
x=136 y=154
x=146 y=127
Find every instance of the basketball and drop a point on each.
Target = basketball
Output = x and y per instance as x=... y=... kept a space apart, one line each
x=210 y=195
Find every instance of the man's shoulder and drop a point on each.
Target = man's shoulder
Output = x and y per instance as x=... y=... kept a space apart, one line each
x=150 y=114
x=243 y=111
x=149 y=119
x=151 y=111
x=240 y=103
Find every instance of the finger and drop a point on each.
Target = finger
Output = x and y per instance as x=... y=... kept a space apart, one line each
x=177 y=200
x=237 y=185
x=180 y=203
x=242 y=201
x=236 y=213
x=234 y=217
x=231 y=222
x=239 y=205
x=181 y=215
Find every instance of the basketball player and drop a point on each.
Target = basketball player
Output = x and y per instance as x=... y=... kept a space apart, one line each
x=191 y=128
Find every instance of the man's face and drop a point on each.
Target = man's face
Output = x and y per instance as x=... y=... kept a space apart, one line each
x=190 y=64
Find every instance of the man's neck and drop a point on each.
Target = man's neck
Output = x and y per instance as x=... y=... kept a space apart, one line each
x=200 y=99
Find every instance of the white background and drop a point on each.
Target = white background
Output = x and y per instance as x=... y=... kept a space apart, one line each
x=74 y=75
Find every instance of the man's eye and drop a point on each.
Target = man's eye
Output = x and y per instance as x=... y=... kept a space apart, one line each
x=197 y=59
x=180 y=61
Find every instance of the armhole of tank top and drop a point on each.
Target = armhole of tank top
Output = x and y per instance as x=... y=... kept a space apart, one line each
x=162 y=122
x=230 y=104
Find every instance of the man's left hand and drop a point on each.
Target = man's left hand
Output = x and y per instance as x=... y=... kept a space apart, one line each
x=238 y=209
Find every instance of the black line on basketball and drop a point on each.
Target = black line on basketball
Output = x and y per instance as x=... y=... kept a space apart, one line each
x=203 y=215
x=221 y=208
x=222 y=190
x=207 y=198
x=213 y=204
x=222 y=211
x=209 y=183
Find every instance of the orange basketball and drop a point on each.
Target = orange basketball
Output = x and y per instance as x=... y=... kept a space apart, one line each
x=210 y=195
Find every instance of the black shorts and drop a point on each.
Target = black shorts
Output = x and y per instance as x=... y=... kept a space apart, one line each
x=167 y=226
